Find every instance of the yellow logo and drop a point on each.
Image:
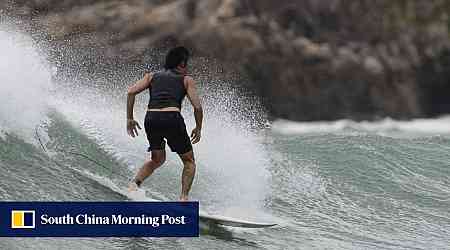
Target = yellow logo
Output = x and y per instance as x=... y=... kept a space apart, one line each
x=22 y=219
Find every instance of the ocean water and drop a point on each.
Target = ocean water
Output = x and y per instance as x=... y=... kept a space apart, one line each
x=329 y=185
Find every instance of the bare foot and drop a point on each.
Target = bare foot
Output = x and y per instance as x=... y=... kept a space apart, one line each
x=132 y=187
x=184 y=198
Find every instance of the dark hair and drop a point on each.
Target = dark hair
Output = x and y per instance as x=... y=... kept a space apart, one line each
x=175 y=57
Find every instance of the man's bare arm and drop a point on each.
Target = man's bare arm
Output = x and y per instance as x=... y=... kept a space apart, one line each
x=191 y=90
x=133 y=90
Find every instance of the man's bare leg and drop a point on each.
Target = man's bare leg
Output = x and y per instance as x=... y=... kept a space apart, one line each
x=188 y=174
x=158 y=158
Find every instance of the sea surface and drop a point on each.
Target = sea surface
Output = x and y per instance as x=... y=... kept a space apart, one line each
x=328 y=185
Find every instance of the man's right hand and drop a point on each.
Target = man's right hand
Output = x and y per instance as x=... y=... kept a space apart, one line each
x=132 y=127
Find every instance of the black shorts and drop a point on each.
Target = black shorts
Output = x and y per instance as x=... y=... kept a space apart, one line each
x=161 y=126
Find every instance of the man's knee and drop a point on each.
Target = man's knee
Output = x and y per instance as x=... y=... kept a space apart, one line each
x=188 y=157
x=158 y=159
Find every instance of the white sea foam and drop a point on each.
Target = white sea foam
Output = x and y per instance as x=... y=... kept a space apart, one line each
x=233 y=160
x=229 y=154
x=436 y=126
x=25 y=81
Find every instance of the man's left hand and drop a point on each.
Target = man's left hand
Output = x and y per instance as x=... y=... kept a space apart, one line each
x=196 y=135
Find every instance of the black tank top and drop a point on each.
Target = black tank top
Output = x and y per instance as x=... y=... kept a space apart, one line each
x=166 y=90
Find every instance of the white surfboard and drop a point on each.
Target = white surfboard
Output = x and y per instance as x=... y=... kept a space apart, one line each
x=205 y=218
x=210 y=219
x=232 y=222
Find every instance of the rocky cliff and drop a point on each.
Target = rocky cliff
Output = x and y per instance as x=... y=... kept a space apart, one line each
x=308 y=60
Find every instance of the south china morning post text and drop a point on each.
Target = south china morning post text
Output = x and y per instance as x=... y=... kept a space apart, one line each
x=99 y=219
x=117 y=219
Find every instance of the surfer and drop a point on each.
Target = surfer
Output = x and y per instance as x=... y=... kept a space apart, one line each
x=163 y=121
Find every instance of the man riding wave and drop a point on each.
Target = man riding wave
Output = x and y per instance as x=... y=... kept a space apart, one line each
x=163 y=121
